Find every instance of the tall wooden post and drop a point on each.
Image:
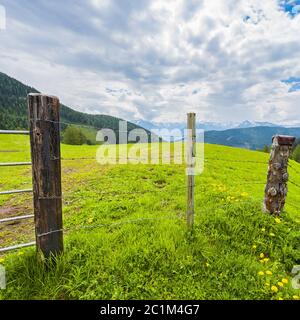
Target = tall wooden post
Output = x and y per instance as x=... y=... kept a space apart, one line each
x=190 y=171
x=276 y=188
x=46 y=171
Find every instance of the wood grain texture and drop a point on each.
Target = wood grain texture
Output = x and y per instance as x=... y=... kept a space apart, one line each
x=276 y=188
x=46 y=171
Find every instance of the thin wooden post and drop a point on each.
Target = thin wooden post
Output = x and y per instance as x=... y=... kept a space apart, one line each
x=191 y=155
x=46 y=171
x=276 y=187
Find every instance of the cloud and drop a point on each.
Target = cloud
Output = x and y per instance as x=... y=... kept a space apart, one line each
x=157 y=60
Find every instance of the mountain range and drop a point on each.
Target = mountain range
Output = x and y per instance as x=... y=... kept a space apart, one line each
x=254 y=138
x=247 y=134
x=205 y=125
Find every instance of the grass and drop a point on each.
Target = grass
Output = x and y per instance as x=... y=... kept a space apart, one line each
x=126 y=236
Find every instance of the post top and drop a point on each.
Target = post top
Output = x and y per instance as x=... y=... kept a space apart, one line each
x=284 y=140
x=42 y=95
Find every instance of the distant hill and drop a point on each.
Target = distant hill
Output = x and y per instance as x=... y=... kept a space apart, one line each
x=249 y=138
x=13 y=109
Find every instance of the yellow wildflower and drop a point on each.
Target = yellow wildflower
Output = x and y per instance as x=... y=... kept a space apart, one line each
x=280 y=284
x=277 y=220
x=280 y=298
x=296 y=297
x=2 y=260
x=274 y=289
x=267 y=284
x=254 y=246
x=269 y=273
x=285 y=281
x=90 y=220
x=263 y=229
x=245 y=194
x=261 y=273
x=266 y=260
x=262 y=255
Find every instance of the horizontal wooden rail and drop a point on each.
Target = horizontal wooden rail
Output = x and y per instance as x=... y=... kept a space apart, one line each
x=14 y=132
x=14 y=164
x=18 y=246
x=16 y=218
x=15 y=191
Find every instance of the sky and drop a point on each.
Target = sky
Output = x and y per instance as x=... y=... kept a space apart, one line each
x=156 y=60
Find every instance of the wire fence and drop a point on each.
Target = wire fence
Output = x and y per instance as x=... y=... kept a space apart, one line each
x=165 y=188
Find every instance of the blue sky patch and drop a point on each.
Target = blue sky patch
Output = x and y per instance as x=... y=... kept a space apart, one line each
x=294 y=83
x=292 y=7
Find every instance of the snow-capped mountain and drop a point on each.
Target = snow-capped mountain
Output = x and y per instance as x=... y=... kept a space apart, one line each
x=207 y=126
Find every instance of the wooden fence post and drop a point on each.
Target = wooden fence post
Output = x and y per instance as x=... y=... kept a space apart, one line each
x=276 y=187
x=190 y=171
x=46 y=171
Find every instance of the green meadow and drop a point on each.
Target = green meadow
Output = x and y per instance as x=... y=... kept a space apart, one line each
x=126 y=237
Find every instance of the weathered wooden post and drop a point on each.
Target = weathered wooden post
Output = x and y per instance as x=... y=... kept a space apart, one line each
x=276 y=188
x=46 y=169
x=190 y=171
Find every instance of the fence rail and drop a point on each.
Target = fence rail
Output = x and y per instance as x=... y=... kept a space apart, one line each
x=14 y=164
x=16 y=218
x=14 y=132
x=18 y=246
x=15 y=191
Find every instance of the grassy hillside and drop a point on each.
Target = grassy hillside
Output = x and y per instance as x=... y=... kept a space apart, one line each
x=250 y=138
x=126 y=237
x=13 y=110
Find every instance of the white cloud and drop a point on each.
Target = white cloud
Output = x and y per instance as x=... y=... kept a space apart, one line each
x=158 y=59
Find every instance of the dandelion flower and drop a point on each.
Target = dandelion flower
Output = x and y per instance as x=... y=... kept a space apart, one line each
x=261 y=273
x=277 y=220
x=274 y=289
x=296 y=297
x=280 y=284
x=262 y=255
x=280 y=298
x=269 y=273
x=285 y=281
x=254 y=246
x=266 y=260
